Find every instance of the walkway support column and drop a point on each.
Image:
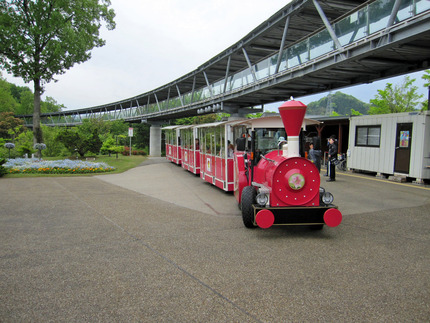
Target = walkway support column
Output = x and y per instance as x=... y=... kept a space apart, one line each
x=155 y=140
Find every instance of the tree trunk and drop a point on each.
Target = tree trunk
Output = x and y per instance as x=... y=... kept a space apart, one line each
x=37 y=130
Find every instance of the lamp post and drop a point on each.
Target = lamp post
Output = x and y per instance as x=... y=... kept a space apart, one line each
x=9 y=146
x=39 y=147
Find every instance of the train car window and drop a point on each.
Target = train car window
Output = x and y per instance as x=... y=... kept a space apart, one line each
x=169 y=136
x=223 y=142
x=188 y=138
x=240 y=144
x=239 y=132
x=267 y=139
x=220 y=150
x=208 y=135
x=213 y=142
x=184 y=138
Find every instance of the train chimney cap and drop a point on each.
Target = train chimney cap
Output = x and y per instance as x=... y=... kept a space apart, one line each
x=293 y=104
x=292 y=115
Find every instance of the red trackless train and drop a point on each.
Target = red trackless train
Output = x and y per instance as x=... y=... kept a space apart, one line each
x=272 y=183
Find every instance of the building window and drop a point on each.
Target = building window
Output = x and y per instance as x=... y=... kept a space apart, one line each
x=368 y=136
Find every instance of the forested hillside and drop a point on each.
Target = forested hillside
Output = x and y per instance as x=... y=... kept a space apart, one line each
x=337 y=103
x=19 y=100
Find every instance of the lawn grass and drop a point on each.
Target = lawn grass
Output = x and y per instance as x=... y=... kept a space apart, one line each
x=121 y=164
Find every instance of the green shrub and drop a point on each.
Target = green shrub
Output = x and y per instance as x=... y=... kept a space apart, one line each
x=2 y=169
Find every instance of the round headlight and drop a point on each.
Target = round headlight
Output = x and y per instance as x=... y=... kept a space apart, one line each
x=262 y=199
x=327 y=198
x=322 y=190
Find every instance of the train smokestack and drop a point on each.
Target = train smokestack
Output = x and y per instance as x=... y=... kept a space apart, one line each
x=292 y=114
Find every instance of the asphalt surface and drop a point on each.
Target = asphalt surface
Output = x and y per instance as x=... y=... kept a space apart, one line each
x=157 y=244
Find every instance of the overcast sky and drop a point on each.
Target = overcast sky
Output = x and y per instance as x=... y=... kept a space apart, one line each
x=156 y=42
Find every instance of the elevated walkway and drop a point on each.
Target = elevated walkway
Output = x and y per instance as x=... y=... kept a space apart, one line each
x=307 y=47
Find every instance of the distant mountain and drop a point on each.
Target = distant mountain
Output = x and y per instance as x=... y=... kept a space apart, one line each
x=339 y=103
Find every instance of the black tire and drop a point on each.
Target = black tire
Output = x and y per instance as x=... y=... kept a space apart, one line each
x=248 y=198
x=316 y=227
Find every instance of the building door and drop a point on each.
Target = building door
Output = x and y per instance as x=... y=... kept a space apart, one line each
x=402 y=157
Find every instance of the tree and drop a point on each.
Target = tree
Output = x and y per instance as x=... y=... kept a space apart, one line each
x=50 y=105
x=7 y=101
x=43 y=38
x=26 y=102
x=109 y=146
x=75 y=141
x=54 y=147
x=9 y=125
x=206 y=118
x=426 y=77
x=396 y=99
x=141 y=135
x=355 y=113
x=3 y=170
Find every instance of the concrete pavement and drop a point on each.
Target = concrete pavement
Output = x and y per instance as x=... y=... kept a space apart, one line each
x=157 y=244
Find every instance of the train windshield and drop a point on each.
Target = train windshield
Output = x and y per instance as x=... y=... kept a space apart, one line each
x=266 y=139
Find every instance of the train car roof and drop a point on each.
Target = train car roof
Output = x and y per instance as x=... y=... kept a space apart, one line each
x=177 y=127
x=186 y=127
x=272 y=122
x=170 y=127
x=215 y=124
x=262 y=122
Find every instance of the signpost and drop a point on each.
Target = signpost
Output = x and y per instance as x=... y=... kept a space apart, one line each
x=130 y=134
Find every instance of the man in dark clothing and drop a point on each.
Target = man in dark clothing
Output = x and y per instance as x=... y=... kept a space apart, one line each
x=332 y=156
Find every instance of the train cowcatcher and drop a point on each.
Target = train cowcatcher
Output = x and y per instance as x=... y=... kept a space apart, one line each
x=282 y=188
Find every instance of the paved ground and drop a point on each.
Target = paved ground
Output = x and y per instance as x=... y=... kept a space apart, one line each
x=156 y=244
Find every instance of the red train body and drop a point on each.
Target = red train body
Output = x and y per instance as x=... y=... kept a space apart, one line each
x=271 y=186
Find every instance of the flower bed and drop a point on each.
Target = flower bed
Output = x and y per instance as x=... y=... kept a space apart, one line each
x=65 y=166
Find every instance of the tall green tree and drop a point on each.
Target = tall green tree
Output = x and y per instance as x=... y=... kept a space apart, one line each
x=76 y=140
x=43 y=38
x=398 y=98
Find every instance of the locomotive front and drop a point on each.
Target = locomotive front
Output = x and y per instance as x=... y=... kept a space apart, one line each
x=285 y=188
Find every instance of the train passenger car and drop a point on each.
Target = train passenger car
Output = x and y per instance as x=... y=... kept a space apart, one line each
x=216 y=154
x=173 y=144
x=279 y=187
x=190 y=149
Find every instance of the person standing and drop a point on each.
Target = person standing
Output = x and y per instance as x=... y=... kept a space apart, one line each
x=332 y=155
x=315 y=152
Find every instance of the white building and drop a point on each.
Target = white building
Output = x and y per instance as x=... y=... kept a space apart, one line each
x=391 y=144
